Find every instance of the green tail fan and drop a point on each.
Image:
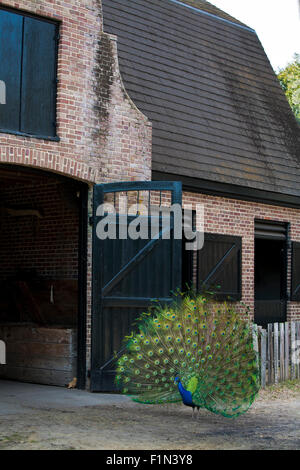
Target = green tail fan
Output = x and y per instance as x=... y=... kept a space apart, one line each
x=193 y=351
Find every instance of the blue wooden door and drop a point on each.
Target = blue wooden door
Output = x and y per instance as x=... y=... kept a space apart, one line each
x=129 y=274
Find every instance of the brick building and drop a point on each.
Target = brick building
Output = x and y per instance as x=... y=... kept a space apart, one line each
x=115 y=92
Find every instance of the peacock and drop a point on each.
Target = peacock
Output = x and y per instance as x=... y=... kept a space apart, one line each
x=195 y=351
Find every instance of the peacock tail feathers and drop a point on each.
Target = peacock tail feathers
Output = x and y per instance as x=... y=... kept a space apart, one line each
x=209 y=347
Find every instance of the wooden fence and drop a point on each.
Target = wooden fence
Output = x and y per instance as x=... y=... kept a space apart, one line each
x=278 y=347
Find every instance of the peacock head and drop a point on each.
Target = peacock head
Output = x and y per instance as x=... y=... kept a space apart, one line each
x=177 y=380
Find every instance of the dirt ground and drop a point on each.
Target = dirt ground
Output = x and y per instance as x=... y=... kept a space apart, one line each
x=273 y=422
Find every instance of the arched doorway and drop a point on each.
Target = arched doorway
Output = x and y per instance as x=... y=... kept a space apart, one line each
x=43 y=219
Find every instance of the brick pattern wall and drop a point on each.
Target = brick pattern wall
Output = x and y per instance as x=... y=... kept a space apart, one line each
x=234 y=217
x=103 y=136
x=46 y=245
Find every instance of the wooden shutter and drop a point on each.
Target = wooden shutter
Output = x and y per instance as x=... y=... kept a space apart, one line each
x=11 y=26
x=219 y=264
x=39 y=78
x=295 y=288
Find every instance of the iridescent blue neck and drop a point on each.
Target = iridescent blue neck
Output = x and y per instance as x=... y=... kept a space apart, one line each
x=185 y=394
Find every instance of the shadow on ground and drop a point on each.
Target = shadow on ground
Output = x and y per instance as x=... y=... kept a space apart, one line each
x=41 y=417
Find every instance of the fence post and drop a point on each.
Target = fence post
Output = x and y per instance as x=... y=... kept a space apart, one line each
x=293 y=339
x=287 y=351
x=255 y=337
x=298 y=340
x=270 y=353
x=275 y=342
x=263 y=352
x=282 y=371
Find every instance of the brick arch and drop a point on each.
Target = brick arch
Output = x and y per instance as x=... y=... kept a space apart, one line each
x=64 y=166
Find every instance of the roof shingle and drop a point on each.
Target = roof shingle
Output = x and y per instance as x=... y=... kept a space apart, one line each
x=217 y=108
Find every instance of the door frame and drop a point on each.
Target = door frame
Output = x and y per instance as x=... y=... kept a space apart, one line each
x=281 y=231
x=98 y=254
x=82 y=287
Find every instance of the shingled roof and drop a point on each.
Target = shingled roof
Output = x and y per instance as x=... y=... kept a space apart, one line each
x=205 y=82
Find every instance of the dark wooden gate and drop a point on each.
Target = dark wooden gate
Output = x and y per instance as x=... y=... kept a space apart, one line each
x=129 y=274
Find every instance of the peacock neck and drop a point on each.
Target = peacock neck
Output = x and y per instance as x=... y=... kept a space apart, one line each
x=185 y=394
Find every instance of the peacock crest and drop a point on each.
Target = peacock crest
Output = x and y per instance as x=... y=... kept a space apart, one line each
x=195 y=351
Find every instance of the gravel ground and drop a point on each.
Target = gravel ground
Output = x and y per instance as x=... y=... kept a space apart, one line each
x=273 y=422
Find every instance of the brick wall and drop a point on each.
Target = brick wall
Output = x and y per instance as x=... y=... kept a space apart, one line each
x=103 y=136
x=46 y=245
x=234 y=217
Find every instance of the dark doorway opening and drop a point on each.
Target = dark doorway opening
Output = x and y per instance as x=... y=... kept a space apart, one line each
x=270 y=274
x=43 y=227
